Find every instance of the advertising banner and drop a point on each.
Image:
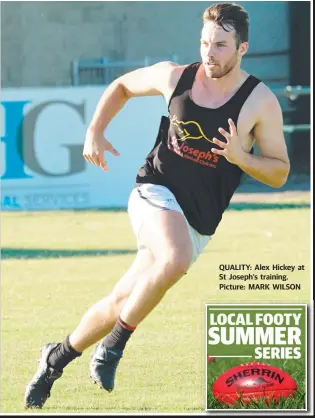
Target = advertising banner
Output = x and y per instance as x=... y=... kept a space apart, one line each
x=42 y=137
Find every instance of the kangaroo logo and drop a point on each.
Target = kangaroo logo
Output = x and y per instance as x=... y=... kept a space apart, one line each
x=193 y=130
x=260 y=382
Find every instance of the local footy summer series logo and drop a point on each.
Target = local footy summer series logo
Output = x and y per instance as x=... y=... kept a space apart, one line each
x=256 y=352
x=191 y=130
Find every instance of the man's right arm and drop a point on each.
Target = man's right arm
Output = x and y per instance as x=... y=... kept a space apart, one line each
x=159 y=79
x=148 y=81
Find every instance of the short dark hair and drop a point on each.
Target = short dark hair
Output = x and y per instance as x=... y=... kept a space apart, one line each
x=229 y=14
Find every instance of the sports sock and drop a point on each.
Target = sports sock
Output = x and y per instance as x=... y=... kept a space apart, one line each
x=62 y=355
x=119 y=335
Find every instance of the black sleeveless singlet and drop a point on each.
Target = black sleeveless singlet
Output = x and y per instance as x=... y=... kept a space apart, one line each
x=181 y=159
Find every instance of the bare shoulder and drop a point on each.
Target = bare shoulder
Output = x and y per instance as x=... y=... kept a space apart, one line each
x=265 y=97
x=157 y=79
x=263 y=103
x=169 y=67
x=169 y=74
x=170 y=71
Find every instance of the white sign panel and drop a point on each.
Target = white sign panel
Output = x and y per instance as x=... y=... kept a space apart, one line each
x=42 y=137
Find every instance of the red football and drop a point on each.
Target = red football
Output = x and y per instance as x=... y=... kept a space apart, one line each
x=253 y=381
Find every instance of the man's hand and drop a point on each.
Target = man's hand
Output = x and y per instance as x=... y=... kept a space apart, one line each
x=232 y=150
x=94 y=147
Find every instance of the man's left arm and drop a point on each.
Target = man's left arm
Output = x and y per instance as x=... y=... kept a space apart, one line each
x=272 y=165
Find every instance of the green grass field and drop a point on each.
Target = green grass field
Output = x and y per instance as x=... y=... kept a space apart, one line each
x=56 y=264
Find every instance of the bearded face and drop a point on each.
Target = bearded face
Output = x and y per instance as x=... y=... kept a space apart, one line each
x=219 y=50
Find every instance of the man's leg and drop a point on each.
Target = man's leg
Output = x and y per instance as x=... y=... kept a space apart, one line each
x=95 y=324
x=166 y=235
x=99 y=320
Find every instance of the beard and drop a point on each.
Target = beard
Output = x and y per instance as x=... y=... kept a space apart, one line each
x=218 y=71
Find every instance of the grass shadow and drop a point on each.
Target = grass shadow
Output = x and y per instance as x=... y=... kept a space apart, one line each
x=232 y=206
x=34 y=253
x=267 y=206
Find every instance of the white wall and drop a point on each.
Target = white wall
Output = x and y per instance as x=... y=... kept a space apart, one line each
x=57 y=126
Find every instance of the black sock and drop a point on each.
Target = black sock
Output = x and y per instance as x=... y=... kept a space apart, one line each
x=119 y=335
x=62 y=355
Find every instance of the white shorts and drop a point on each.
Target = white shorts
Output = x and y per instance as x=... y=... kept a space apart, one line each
x=150 y=198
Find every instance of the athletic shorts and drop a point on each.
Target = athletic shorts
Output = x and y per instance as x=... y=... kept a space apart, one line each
x=147 y=199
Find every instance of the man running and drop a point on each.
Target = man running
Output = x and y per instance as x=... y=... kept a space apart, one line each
x=216 y=112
